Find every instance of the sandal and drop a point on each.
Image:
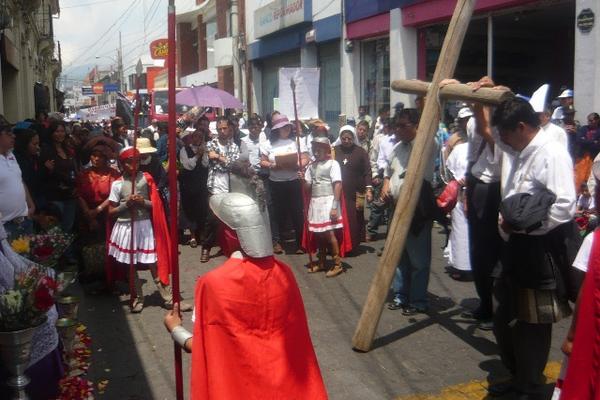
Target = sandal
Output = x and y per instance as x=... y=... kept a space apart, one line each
x=315 y=267
x=334 y=271
x=205 y=255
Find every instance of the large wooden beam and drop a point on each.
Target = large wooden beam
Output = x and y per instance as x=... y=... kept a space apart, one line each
x=411 y=187
x=454 y=91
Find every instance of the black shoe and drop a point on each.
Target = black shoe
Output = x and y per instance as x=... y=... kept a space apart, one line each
x=395 y=305
x=409 y=311
x=500 y=389
x=486 y=325
x=476 y=315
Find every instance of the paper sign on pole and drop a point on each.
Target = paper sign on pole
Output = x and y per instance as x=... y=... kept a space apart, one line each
x=307 y=92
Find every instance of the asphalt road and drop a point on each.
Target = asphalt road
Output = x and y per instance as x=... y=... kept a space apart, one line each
x=438 y=355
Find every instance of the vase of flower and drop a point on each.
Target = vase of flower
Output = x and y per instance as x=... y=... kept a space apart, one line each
x=15 y=352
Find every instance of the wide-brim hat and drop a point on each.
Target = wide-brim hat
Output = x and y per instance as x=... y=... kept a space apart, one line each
x=321 y=140
x=566 y=94
x=464 y=112
x=144 y=146
x=281 y=121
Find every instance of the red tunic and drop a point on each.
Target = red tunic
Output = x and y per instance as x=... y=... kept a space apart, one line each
x=582 y=381
x=251 y=338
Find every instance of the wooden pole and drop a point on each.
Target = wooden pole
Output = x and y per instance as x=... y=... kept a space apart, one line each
x=411 y=187
x=173 y=228
x=454 y=91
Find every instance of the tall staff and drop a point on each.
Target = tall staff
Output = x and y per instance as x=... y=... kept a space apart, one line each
x=173 y=228
x=298 y=130
x=132 y=291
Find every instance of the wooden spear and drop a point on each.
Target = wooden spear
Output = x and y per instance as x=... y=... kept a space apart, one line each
x=298 y=131
x=411 y=187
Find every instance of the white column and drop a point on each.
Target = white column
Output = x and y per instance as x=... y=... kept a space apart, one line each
x=308 y=56
x=403 y=56
x=587 y=69
x=350 y=77
x=1 y=93
x=256 y=95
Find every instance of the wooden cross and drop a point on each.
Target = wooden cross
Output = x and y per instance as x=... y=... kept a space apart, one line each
x=420 y=156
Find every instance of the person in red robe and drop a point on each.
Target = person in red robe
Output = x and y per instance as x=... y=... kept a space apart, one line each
x=250 y=338
x=582 y=344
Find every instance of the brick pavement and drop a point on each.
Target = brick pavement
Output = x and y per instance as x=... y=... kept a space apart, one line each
x=418 y=355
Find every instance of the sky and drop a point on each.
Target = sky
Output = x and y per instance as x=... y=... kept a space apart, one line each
x=88 y=29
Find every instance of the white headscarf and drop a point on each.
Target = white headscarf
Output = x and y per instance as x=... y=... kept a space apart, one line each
x=346 y=128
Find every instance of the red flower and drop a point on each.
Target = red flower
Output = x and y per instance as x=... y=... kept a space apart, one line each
x=43 y=252
x=43 y=298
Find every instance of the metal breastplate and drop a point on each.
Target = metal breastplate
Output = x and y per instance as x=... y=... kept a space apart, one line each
x=321 y=179
x=141 y=188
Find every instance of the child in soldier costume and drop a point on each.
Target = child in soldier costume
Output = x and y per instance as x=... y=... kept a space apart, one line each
x=150 y=234
x=324 y=181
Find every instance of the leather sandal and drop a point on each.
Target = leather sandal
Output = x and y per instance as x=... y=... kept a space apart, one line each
x=334 y=271
x=205 y=255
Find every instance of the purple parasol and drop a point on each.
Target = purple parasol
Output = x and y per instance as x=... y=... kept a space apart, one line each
x=207 y=96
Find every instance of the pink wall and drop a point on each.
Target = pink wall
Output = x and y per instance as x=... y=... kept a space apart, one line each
x=431 y=11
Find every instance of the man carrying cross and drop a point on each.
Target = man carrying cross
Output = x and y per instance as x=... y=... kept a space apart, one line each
x=536 y=210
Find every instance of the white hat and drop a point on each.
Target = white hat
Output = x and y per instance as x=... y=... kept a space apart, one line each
x=186 y=132
x=464 y=112
x=538 y=98
x=566 y=93
x=144 y=146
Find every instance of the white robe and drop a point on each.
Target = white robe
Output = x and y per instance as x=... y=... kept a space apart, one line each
x=457 y=251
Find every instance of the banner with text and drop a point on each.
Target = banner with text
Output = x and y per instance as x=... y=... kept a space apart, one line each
x=307 y=92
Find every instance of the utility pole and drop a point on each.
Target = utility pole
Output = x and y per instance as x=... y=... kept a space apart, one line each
x=120 y=65
x=237 y=65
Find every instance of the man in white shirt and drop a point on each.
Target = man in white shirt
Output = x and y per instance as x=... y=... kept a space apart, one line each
x=412 y=273
x=483 y=199
x=377 y=208
x=553 y=131
x=16 y=205
x=528 y=288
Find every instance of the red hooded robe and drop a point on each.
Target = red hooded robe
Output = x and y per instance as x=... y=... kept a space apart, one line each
x=251 y=338
x=582 y=381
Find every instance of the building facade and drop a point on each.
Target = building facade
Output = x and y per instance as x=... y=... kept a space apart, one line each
x=294 y=33
x=30 y=58
x=210 y=45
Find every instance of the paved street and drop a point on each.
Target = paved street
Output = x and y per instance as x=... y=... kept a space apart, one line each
x=414 y=358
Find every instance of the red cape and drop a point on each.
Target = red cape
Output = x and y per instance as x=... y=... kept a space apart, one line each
x=251 y=338
x=162 y=240
x=309 y=241
x=582 y=381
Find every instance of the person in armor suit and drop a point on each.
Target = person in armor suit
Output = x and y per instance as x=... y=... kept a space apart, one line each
x=323 y=178
x=151 y=240
x=250 y=337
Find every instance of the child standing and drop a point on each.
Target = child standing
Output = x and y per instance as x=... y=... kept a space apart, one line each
x=143 y=205
x=324 y=180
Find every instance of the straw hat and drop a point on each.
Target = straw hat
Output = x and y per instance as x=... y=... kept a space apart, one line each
x=144 y=146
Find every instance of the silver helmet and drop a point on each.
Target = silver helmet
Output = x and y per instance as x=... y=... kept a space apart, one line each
x=242 y=214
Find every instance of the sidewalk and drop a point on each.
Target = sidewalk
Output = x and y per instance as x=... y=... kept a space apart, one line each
x=411 y=355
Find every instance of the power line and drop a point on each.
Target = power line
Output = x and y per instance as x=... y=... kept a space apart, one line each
x=102 y=36
x=88 y=4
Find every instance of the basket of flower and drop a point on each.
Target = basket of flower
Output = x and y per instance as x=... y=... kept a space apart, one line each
x=45 y=249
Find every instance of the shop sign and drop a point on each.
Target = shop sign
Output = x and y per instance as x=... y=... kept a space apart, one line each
x=98 y=88
x=111 y=87
x=159 y=49
x=280 y=14
x=585 y=20
x=87 y=91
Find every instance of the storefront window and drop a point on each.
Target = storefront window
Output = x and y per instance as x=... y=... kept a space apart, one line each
x=376 y=74
x=211 y=32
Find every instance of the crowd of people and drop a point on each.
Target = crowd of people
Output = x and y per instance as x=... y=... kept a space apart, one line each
x=521 y=181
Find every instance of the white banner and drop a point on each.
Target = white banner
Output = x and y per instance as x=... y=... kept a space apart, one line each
x=307 y=92
x=97 y=113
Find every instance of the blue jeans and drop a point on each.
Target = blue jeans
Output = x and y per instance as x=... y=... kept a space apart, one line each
x=67 y=208
x=412 y=273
